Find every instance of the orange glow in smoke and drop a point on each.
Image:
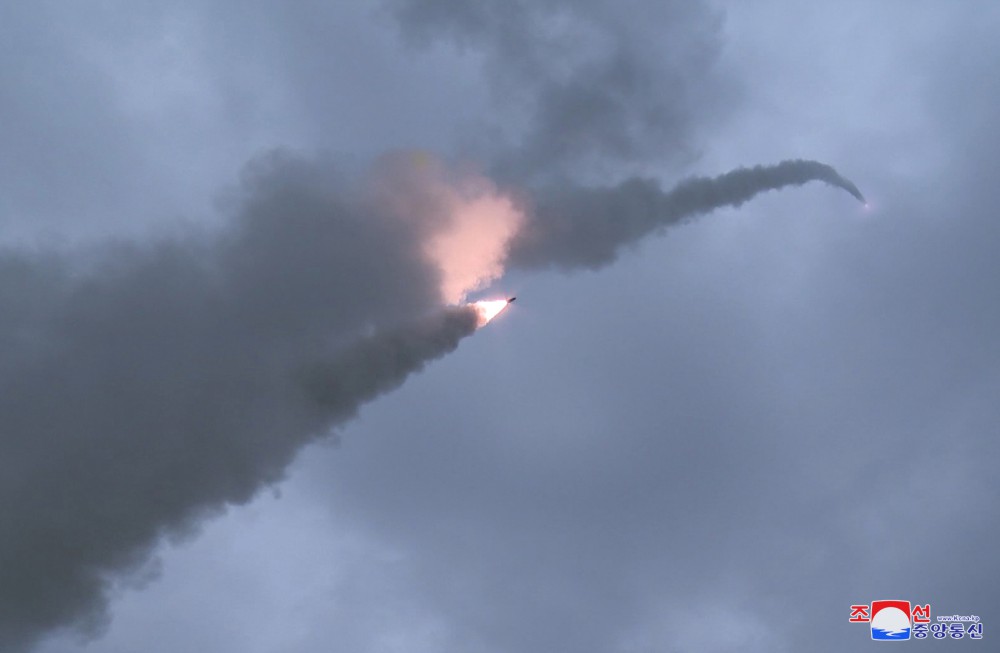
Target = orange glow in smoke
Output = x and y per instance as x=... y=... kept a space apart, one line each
x=470 y=247
x=464 y=219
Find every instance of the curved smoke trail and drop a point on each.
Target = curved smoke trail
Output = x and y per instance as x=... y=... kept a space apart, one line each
x=573 y=227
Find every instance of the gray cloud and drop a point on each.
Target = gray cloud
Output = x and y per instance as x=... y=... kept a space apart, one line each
x=589 y=88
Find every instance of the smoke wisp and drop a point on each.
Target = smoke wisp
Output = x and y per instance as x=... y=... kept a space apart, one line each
x=573 y=226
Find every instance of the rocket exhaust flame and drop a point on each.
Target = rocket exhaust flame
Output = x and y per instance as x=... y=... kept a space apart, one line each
x=489 y=309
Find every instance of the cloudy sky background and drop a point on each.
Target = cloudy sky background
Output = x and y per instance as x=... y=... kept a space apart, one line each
x=718 y=443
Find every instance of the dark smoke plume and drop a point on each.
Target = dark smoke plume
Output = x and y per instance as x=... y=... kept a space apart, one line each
x=147 y=386
x=381 y=362
x=590 y=87
x=586 y=227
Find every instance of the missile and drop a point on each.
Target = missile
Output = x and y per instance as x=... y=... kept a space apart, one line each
x=511 y=300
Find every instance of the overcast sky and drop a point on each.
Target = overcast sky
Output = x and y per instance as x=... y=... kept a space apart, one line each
x=717 y=442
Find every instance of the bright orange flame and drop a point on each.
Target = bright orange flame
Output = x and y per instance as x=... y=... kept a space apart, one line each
x=489 y=309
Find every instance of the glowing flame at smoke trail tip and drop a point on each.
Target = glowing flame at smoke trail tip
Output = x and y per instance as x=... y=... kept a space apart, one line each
x=489 y=309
